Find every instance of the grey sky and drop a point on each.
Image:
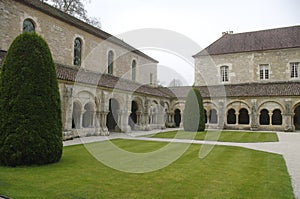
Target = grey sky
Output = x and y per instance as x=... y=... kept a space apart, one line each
x=201 y=21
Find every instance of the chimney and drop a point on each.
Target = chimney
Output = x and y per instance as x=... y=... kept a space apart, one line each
x=227 y=32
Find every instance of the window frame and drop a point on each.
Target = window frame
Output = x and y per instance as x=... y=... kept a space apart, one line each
x=133 y=70
x=294 y=70
x=224 y=73
x=264 y=71
x=110 y=62
x=77 y=54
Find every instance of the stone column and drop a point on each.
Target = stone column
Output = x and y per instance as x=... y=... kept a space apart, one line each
x=67 y=111
x=254 y=117
x=103 y=117
x=123 y=121
x=287 y=117
x=221 y=114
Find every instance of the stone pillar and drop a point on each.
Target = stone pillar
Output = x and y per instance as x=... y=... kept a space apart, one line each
x=221 y=115
x=254 y=116
x=67 y=111
x=123 y=121
x=103 y=117
x=287 y=117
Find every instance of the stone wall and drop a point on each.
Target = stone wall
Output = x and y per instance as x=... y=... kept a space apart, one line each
x=244 y=67
x=60 y=37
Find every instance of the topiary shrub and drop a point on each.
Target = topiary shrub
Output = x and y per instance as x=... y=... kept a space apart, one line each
x=193 y=114
x=30 y=111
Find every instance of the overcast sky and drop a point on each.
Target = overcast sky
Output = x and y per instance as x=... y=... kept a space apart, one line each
x=199 y=21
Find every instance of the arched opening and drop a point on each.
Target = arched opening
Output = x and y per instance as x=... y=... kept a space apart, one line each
x=276 y=117
x=231 y=117
x=88 y=116
x=213 y=116
x=112 y=116
x=205 y=116
x=76 y=115
x=264 y=118
x=177 y=118
x=77 y=52
x=28 y=25
x=243 y=116
x=110 y=62
x=133 y=116
x=297 y=118
x=133 y=70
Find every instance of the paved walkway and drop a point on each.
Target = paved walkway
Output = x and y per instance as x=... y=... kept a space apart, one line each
x=288 y=146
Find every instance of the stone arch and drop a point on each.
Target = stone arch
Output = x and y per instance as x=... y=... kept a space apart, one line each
x=297 y=117
x=237 y=105
x=270 y=106
x=88 y=115
x=211 y=110
x=112 y=117
x=76 y=115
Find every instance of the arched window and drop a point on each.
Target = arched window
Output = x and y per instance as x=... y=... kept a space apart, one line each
x=224 y=72
x=88 y=116
x=110 y=64
x=133 y=70
x=76 y=115
x=243 y=116
x=28 y=25
x=277 y=117
x=213 y=116
x=77 y=52
x=231 y=117
x=264 y=118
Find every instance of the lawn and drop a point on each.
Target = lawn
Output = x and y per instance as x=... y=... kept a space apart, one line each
x=225 y=136
x=227 y=172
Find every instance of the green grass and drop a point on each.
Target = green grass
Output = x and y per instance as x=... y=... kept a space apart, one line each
x=227 y=172
x=225 y=136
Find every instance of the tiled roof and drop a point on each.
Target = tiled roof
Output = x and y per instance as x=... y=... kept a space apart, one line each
x=275 y=89
x=56 y=13
x=105 y=80
x=279 y=38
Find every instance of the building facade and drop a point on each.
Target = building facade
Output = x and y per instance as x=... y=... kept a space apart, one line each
x=247 y=80
x=257 y=74
x=105 y=84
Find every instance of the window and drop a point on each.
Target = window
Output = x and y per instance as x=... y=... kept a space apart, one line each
x=28 y=25
x=224 y=73
x=264 y=71
x=77 y=52
x=294 y=69
x=151 y=78
x=133 y=70
x=110 y=64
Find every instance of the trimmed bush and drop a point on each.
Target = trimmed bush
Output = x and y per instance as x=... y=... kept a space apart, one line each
x=30 y=111
x=193 y=114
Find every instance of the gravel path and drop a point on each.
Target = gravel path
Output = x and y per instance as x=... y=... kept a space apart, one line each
x=288 y=146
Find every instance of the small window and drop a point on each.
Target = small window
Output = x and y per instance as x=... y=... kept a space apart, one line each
x=110 y=64
x=151 y=78
x=28 y=26
x=264 y=71
x=294 y=67
x=224 y=70
x=77 y=52
x=133 y=70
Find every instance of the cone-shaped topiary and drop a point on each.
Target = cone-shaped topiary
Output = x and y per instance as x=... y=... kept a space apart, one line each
x=193 y=114
x=30 y=112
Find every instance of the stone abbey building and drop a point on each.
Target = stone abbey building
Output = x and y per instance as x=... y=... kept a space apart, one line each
x=248 y=80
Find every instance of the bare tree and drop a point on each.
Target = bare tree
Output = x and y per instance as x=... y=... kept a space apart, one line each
x=75 y=8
